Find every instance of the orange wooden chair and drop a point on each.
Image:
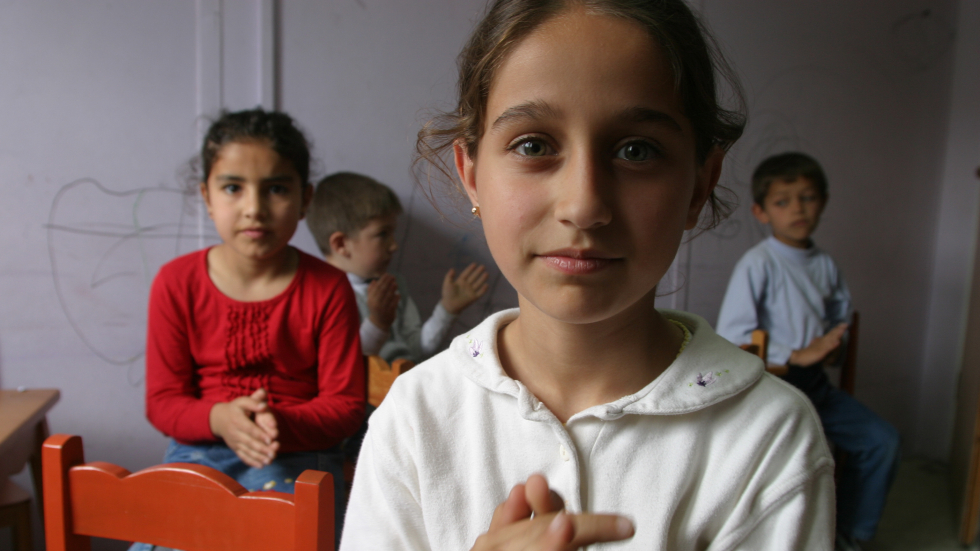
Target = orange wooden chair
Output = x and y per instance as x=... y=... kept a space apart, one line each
x=177 y=505
x=381 y=376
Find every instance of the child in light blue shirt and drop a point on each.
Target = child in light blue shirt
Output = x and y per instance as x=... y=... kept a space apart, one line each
x=793 y=290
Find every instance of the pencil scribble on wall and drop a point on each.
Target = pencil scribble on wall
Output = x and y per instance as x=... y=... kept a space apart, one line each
x=105 y=247
x=920 y=39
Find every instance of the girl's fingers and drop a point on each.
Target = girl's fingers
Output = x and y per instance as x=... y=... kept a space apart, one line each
x=513 y=509
x=561 y=531
x=539 y=496
x=592 y=528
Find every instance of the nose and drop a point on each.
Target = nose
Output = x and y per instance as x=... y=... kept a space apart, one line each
x=582 y=192
x=393 y=247
x=255 y=204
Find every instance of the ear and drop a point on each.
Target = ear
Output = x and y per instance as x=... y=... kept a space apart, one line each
x=207 y=198
x=466 y=168
x=760 y=214
x=307 y=197
x=338 y=244
x=705 y=181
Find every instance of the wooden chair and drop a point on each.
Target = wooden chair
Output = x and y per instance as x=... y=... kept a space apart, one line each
x=381 y=376
x=760 y=347
x=178 y=505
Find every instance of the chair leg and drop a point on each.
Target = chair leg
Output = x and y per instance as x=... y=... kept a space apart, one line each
x=15 y=512
x=20 y=527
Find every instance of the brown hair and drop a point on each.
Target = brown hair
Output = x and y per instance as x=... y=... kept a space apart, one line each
x=786 y=167
x=690 y=50
x=346 y=202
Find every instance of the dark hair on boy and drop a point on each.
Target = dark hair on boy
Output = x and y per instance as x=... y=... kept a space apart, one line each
x=347 y=202
x=274 y=127
x=689 y=48
x=786 y=167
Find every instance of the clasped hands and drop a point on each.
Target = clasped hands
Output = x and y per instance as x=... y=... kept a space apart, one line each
x=248 y=427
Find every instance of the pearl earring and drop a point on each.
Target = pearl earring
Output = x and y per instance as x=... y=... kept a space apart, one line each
x=475 y=211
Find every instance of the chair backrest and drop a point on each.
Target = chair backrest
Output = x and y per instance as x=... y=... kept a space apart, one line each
x=178 y=505
x=849 y=369
x=381 y=376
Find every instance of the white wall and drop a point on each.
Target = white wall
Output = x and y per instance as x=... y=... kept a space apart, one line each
x=955 y=238
x=113 y=91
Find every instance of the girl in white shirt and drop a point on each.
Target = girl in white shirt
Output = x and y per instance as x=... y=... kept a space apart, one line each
x=588 y=138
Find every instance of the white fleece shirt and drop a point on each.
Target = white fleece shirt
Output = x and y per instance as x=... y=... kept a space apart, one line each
x=714 y=454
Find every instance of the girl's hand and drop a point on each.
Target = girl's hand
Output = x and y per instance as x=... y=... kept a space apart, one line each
x=551 y=529
x=819 y=348
x=382 y=300
x=233 y=422
x=460 y=292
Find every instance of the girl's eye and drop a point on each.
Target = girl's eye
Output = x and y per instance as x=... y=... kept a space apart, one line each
x=532 y=148
x=636 y=152
x=278 y=189
x=231 y=189
x=782 y=203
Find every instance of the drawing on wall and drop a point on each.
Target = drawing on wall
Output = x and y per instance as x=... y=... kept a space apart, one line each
x=105 y=247
x=920 y=39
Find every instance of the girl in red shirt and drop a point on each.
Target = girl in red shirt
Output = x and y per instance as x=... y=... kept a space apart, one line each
x=253 y=362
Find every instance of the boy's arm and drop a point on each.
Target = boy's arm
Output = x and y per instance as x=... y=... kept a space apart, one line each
x=739 y=314
x=372 y=338
x=435 y=329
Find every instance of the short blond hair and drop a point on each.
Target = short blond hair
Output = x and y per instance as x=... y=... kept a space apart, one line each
x=347 y=202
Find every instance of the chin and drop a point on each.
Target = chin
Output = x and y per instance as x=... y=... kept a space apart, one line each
x=585 y=308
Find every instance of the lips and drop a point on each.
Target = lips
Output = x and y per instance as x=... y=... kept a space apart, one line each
x=577 y=261
x=255 y=233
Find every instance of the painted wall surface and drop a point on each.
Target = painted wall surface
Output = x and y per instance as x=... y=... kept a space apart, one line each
x=105 y=102
x=955 y=235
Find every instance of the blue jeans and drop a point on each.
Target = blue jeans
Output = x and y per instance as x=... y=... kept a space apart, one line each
x=872 y=447
x=279 y=476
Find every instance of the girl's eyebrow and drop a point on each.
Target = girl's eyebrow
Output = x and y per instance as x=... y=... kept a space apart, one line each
x=645 y=114
x=532 y=110
x=236 y=178
x=535 y=110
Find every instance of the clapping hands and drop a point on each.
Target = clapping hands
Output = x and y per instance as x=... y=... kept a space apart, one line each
x=460 y=292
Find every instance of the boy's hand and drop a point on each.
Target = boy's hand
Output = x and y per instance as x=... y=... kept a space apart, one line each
x=460 y=292
x=551 y=529
x=233 y=422
x=819 y=348
x=382 y=300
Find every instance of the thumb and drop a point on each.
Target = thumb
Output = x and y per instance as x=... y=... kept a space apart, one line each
x=450 y=276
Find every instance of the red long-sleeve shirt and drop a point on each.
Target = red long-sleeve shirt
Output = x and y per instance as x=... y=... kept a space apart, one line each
x=302 y=346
